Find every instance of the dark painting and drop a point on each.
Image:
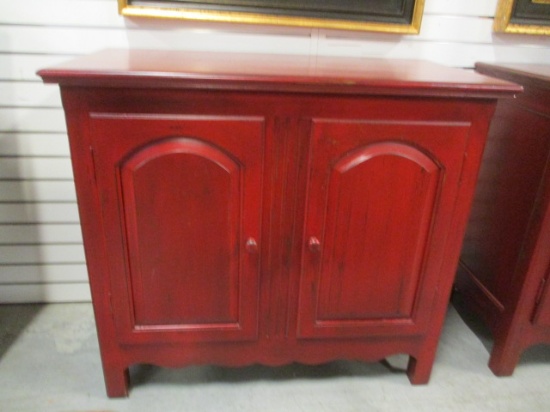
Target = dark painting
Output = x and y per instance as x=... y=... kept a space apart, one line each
x=394 y=11
x=531 y=12
x=523 y=16
x=382 y=15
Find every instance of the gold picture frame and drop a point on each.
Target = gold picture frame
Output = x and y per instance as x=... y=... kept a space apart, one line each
x=509 y=20
x=260 y=13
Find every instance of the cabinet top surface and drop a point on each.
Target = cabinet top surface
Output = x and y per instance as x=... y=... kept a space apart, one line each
x=281 y=73
x=537 y=75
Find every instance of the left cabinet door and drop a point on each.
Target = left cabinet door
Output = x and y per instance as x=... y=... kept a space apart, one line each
x=181 y=203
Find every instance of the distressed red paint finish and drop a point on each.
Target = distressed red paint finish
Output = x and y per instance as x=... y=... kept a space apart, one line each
x=505 y=263
x=240 y=208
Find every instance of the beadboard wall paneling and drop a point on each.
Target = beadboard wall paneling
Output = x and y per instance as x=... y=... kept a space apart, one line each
x=35 y=254
x=25 y=119
x=45 y=292
x=92 y=13
x=454 y=32
x=39 y=212
x=40 y=233
x=27 y=144
x=16 y=67
x=33 y=168
x=475 y=8
x=45 y=273
x=28 y=94
x=41 y=253
x=37 y=190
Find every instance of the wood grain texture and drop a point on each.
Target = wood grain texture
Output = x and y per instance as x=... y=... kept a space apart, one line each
x=262 y=73
x=373 y=193
x=190 y=191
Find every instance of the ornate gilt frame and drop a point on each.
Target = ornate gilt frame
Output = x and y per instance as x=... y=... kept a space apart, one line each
x=156 y=9
x=504 y=15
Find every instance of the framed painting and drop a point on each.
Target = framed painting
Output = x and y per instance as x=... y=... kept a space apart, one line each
x=390 y=16
x=523 y=16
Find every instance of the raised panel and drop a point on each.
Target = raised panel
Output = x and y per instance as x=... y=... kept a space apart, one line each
x=379 y=197
x=380 y=202
x=182 y=204
x=182 y=198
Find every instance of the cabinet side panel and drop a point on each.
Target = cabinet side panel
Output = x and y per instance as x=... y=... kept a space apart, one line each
x=539 y=267
x=114 y=360
x=513 y=163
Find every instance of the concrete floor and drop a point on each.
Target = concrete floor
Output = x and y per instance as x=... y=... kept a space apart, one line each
x=49 y=361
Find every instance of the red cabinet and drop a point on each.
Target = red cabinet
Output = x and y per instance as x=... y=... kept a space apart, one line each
x=240 y=209
x=505 y=263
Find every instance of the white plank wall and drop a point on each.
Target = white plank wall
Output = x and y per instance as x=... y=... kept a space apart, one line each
x=41 y=254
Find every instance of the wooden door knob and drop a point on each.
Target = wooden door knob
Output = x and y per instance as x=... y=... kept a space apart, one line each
x=314 y=244
x=251 y=245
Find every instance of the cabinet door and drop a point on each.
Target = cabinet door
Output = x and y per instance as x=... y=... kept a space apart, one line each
x=181 y=199
x=379 y=203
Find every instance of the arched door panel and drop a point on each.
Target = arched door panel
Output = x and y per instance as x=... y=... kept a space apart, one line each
x=187 y=197
x=377 y=192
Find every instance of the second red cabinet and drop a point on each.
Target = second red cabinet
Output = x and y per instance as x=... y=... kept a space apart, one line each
x=505 y=263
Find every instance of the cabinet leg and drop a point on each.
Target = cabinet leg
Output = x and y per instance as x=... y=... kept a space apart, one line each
x=419 y=369
x=117 y=381
x=504 y=358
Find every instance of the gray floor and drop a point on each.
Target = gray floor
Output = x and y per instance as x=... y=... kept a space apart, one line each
x=49 y=361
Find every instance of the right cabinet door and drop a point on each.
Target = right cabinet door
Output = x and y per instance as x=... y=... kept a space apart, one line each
x=380 y=200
